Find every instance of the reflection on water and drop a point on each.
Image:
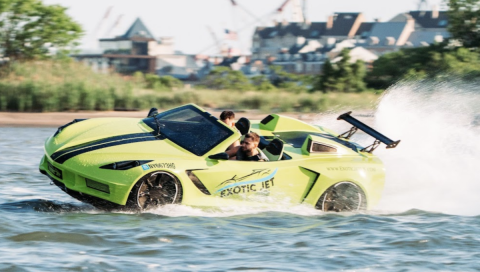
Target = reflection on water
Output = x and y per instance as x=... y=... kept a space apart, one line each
x=423 y=222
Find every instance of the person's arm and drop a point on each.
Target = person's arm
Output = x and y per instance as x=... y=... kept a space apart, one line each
x=232 y=149
x=232 y=152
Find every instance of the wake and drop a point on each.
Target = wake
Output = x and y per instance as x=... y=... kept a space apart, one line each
x=435 y=167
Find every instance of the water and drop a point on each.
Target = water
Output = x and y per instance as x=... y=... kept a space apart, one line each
x=428 y=219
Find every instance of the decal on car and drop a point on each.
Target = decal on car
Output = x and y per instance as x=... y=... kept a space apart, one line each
x=355 y=169
x=162 y=165
x=169 y=165
x=263 y=179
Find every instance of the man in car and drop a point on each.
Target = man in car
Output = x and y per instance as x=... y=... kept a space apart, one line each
x=228 y=117
x=249 y=149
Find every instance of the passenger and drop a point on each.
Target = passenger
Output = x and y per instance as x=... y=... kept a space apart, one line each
x=228 y=117
x=249 y=150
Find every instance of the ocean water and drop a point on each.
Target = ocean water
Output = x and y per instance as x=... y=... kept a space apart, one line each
x=428 y=218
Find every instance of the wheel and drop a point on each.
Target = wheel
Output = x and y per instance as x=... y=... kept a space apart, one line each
x=155 y=189
x=342 y=197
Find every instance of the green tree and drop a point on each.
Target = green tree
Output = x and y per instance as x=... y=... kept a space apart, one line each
x=171 y=82
x=224 y=78
x=464 y=21
x=359 y=72
x=415 y=63
x=342 y=76
x=280 y=77
x=288 y=81
x=262 y=83
x=28 y=28
x=326 y=81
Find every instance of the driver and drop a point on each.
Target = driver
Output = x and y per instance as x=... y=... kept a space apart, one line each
x=249 y=149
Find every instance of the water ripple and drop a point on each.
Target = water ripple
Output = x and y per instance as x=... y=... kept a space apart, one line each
x=43 y=229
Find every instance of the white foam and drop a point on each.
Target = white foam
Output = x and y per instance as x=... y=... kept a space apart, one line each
x=436 y=165
x=181 y=210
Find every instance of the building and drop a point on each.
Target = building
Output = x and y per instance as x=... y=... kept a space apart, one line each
x=267 y=41
x=304 y=47
x=138 y=50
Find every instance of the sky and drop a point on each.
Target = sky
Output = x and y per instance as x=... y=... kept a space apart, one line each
x=189 y=21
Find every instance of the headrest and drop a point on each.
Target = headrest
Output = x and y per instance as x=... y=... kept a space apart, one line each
x=275 y=147
x=243 y=125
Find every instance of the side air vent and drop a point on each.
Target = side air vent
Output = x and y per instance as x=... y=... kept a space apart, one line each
x=124 y=165
x=318 y=147
x=267 y=119
x=197 y=182
x=97 y=186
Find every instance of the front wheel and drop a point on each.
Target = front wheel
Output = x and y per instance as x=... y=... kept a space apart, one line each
x=155 y=189
x=342 y=197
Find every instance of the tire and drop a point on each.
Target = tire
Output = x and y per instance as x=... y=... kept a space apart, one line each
x=155 y=189
x=342 y=197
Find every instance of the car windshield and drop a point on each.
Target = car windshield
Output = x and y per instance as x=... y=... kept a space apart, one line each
x=190 y=128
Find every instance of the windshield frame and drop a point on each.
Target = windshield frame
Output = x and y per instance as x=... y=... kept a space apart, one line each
x=151 y=122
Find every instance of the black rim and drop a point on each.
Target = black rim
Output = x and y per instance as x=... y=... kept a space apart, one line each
x=342 y=197
x=159 y=188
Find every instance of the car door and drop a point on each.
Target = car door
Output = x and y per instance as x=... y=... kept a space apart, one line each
x=281 y=181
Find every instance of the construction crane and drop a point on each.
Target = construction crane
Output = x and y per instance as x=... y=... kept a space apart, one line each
x=114 y=26
x=280 y=9
x=102 y=21
x=215 y=38
x=298 y=14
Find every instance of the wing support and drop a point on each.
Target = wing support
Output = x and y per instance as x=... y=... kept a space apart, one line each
x=358 y=125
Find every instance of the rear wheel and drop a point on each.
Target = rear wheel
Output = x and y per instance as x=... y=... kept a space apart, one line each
x=155 y=189
x=342 y=197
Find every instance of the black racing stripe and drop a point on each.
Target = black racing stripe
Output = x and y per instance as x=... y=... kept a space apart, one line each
x=72 y=154
x=62 y=152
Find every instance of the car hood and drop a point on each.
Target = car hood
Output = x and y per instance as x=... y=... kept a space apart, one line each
x=94 y=129
x=103 y=135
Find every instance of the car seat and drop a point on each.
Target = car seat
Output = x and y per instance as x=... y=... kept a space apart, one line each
x=243 y=125
x=274 y=150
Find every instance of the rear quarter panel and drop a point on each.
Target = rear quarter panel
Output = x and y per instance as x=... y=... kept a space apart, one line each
x=366 y=172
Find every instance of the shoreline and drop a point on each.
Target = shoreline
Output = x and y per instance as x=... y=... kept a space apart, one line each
x=56 y=119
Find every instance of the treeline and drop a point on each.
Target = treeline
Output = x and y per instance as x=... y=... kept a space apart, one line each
x=438 y=61
x=62 y=85
x=342 y=76
x=65 y=85
x=224 y=78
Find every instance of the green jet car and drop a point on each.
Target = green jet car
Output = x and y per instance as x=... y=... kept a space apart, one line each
x=178 y=157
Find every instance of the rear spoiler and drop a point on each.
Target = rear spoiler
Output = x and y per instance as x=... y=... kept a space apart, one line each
x=370 y=131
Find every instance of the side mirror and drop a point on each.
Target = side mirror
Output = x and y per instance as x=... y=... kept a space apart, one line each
x=152 y=112
x=219 y=156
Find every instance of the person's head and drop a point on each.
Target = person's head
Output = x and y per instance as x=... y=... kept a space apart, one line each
x=228 y=117
x=250 y=142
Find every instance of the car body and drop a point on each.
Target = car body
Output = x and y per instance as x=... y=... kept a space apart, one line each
x=176 y=156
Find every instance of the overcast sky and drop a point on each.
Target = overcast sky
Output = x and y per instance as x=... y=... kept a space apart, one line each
x=188 y=20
